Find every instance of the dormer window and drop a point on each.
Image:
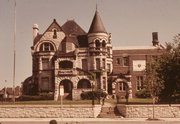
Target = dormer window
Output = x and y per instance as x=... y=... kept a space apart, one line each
x=55 y=34
x=46 y=47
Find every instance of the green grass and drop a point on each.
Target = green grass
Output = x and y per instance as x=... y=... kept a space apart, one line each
x=50 y=102
x=77 y=102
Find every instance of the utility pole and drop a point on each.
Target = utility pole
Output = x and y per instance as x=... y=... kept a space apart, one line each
x=14 y=61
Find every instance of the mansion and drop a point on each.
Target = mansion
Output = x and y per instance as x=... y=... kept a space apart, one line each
x=77 y=60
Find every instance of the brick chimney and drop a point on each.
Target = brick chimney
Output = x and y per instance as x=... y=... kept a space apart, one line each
x=155 y=39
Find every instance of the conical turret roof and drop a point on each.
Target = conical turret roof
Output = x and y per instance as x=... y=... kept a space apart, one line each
x=97 y=25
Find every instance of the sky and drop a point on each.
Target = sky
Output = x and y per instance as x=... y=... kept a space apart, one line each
x=131 y=23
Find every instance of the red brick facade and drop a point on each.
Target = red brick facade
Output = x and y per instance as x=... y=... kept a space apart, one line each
x=123 y=66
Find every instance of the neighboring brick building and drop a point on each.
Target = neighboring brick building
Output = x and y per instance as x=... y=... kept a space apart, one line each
x=129 y=64
x=67 y=55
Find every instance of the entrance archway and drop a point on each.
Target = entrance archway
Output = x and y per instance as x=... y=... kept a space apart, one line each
x=84 y=84
x=68 y=86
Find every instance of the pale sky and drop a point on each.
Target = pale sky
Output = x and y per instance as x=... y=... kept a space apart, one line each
x=131 y=23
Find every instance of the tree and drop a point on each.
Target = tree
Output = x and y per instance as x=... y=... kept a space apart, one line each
x=163 y=74
x=169 y=72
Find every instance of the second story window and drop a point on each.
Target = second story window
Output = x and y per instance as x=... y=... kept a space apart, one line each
x=104 y=63
x=97 y=63
x=46 y=47
x=84 y=64
x=118 y=61
x=65 y=65
x=45 y=64
x=125 y=61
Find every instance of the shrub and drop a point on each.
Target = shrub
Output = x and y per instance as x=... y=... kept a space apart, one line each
x=89 y=94
x=143 y=93
x=41 y=96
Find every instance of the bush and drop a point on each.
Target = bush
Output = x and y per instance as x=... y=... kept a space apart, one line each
x=41 y=96
x=89 y=94
x=143 y=93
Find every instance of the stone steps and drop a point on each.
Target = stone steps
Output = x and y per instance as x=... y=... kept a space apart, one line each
x=109 y=112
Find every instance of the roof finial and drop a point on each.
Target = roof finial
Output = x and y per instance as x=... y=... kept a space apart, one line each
x=96 y=6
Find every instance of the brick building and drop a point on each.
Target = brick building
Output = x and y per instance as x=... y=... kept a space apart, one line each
x=67 y=55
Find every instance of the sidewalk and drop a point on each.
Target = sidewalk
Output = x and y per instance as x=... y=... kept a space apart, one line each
x=82 y=119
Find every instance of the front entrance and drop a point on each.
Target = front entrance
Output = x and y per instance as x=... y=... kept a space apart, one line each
x=68 y=86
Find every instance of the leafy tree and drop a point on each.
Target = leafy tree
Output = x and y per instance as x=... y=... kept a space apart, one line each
x=163 y=74
x=169 y=72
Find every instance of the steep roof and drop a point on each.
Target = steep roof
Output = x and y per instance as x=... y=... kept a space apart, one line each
x=97 y=25
x=71 y=27
x=54 y=24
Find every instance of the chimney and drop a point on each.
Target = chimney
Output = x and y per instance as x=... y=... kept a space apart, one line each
x=35 y=31
x=155 y=38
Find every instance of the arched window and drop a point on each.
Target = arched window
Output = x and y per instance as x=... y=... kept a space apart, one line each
x=103 y=43
x=65 y=64
x=84 y=83
x=55 y=34
x=97 y=42
x=46 y=47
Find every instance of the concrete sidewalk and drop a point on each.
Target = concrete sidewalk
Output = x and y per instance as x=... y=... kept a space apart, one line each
x=83 y=119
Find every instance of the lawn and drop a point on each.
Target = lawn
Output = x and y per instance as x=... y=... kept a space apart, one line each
x=77 y=102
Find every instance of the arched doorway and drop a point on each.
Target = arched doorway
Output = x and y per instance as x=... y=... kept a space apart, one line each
x=68 y=86
x=84 y=84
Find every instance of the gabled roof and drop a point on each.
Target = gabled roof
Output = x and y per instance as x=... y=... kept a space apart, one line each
x=97 y=25
x=54 y=24
x=71 y=27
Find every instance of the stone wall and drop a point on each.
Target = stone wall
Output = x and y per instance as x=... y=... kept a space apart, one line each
x=146 y=111
x=49 y=111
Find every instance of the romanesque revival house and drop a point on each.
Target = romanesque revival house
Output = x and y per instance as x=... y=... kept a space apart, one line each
x=67 y=55
x=77 y=60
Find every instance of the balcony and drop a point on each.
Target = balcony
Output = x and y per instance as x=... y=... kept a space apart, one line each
x=63 y=72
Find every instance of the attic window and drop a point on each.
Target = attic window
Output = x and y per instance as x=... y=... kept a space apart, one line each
x=55 y=34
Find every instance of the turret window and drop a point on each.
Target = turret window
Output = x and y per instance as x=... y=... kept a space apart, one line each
x=46 y=47
x=103 y=43
x=97 y=42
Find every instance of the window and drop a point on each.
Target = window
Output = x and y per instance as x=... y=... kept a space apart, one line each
x=103 y=63
x=45 y=64
x=97 y=42
x=46 y=47
x=84 y=64
x=45 y=83
x=65 y=64
x=97 y=63
x=139 y=82
x=108 y=67
x=103 y=43
x=122 y=86
x=55 y=34
x=104 y=83
x=126 y=61
x=118 y=61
